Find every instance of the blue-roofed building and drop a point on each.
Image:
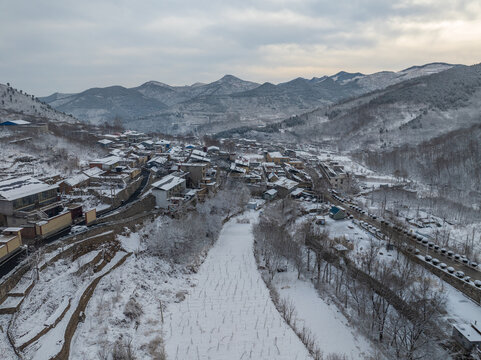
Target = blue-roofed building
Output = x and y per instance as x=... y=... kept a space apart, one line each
x=337 y=213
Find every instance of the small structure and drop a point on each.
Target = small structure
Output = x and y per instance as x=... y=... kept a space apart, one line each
x=468 y=335
x=320 y=220
x=105 y=142
x=10 y=242
x=270 y=194
x=252 y=205
x=15 y=123
x=337 y=213
x=54 y=224
x=90 y=216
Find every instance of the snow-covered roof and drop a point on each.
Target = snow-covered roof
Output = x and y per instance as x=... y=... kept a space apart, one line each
x=12 y=229
x=109 y=160
x=286 y=183
x=235 y=168
x=92 y=172
x=105 y=142
x=16 y=122
x=199 y=158
x=23 y=186
x=111 y=136
x=76 y=180
x=199 y=153
x=297 y=191
x=271 y=192
x=213 y=148
x=470 y=332
x=168 y=182
x=158 y=160
x=276 y=154
x=162 y=142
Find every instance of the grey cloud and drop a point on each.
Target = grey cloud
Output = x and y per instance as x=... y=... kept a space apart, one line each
x=73 y=45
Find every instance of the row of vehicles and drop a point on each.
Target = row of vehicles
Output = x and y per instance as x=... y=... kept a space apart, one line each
x=449 y=269
x=445 y=252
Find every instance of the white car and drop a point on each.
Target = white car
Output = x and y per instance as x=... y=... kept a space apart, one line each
x=78 y=229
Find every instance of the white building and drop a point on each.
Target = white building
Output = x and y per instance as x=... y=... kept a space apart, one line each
x=166 y=189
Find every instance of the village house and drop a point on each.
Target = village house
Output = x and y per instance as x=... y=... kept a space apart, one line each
x=74 y=182
x=337 y=177
x=270 y=194
x=276 y=157
x=106 y=163
x=197 y=173
x=24 y=194
x=168 y=187
x=285 y=186
x=337 y=213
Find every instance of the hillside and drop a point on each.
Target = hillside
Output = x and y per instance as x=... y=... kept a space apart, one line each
x=225 y=103
x=409 y=112
x=17 y=104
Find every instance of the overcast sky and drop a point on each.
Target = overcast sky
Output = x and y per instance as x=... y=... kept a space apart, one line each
x=69 y=46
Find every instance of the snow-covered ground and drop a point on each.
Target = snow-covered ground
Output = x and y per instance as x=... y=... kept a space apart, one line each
x=229 y=313
x=151 y=281
x=333 y=334
x=460 y=309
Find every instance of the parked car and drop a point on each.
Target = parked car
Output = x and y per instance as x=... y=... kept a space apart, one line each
x=450 y=253
x=428 y=258
x=443 y=266
x=416 y=251
x=459 y=274
x=465 y=261
x=436 y=247
x=435 y=261
x=450 y=270
x=457 y=256
x=443 y=251
x=477 y=283
x=467 y=279
x=473 y=264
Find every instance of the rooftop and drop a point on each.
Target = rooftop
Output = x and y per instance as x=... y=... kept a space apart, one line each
x=168 y=182
x=21 y=187
x=286 y=183
x=109 y=160
x=469 y=331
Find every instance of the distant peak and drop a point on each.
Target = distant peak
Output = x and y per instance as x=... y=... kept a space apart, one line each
x=433 y=64
x=345 y=74
x=229 y=77
x=155 y=83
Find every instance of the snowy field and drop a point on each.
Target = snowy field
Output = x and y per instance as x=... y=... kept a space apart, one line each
x=229 y=313
x=333 y=334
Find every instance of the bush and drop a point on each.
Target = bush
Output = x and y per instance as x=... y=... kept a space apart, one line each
x=133 y=310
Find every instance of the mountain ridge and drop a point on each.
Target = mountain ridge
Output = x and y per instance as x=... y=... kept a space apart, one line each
x=224 y=103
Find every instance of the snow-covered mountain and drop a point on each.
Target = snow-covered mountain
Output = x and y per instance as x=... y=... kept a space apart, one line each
x=225 y=103
x=17 y=104
x=409 y=112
